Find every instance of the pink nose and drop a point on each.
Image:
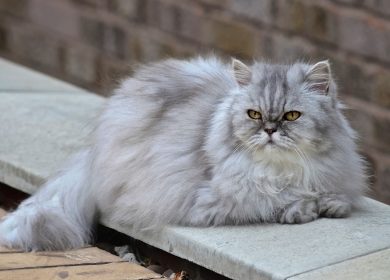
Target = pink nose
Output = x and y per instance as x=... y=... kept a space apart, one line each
x=270 y=130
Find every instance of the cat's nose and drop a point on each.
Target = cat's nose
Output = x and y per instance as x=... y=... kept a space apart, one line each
x=270 y=130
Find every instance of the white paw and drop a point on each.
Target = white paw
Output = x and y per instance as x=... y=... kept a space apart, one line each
x=299 y=212
x=334 y=208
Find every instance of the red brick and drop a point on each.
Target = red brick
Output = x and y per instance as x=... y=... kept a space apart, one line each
x=350 y=2
x=364 y=36
x=372 y=122
x=322 y=24
x=15 y=8
x=80 y=64
x=191 y=23
x=163 y=15
x=57 y=16
x=354 y=79
x=308 y=18
x=288 y=49
x=92 y=3
x=92 y=31
x=291 y=15
x=35 y=47
x=258 y=10
x=382 y=133
x=363 y=123
x=3 y=38
x=110 y=73
x=216 y=3
x=381 y=89
x=379 y=6
x=124 y=7
x=384 y=184
x=233 y=37
x=115 y=41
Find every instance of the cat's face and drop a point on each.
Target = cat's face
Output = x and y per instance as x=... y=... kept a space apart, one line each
x=280 y=108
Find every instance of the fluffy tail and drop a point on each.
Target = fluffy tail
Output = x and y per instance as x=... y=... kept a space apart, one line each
x=59 y=216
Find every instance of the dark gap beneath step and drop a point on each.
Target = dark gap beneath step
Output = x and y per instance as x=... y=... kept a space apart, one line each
x=10 y=198
x=108 y=238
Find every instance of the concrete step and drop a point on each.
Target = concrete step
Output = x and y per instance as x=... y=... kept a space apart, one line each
x=31 y=81
x=41 y=129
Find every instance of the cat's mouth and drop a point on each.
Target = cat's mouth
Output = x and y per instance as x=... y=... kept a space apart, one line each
x=271 y=141
x=271 y=144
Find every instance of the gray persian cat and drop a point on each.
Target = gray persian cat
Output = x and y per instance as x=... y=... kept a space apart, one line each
x=202 y=143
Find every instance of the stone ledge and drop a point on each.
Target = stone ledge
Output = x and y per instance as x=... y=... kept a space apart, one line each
x=374 y=266
x=16 y=78
x=276 y=251
x=41 y=129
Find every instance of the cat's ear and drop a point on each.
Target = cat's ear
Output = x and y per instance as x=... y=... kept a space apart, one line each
x=319 y=76
x=242 y=72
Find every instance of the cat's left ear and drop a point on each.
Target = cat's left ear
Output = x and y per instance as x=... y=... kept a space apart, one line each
x=242 y=72
x=319 y=76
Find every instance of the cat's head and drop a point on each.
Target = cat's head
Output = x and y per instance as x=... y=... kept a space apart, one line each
x=281 y=108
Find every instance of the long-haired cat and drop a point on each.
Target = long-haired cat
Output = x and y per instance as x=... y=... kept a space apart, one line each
x=202 y=143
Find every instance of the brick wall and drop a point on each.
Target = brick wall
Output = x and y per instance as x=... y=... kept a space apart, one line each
x=94 y=43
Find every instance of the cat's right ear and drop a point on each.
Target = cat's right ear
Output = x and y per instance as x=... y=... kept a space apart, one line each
x=242 y=73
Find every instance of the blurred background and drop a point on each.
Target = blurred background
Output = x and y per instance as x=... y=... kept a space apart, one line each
x=94 y=44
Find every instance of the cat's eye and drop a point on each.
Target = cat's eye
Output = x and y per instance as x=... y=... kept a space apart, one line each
x=292 y=115
x=254 y=114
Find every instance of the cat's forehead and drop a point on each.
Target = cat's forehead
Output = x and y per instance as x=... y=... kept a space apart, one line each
x=290 y=75
x=273 y=86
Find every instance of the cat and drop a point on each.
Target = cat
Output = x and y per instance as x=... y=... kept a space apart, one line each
x=202 y=142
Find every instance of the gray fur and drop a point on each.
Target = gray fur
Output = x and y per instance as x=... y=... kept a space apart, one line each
x=175 y=146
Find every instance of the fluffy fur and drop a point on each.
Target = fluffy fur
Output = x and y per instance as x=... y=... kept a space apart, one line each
x=175 y=145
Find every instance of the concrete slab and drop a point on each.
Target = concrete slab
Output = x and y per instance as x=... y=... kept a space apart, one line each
x=39 y=131
x=18 y=78
x=371 y=267
x=275 y=251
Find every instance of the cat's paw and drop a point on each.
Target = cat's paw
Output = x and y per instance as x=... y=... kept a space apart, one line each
x=331 y=207
x=299 y=212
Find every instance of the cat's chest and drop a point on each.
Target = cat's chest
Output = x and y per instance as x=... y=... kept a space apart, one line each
x=259 y=177
x=263 y=174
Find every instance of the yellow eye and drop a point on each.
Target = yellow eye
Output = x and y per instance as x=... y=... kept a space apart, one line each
x=254 y=114
x=292 y=115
